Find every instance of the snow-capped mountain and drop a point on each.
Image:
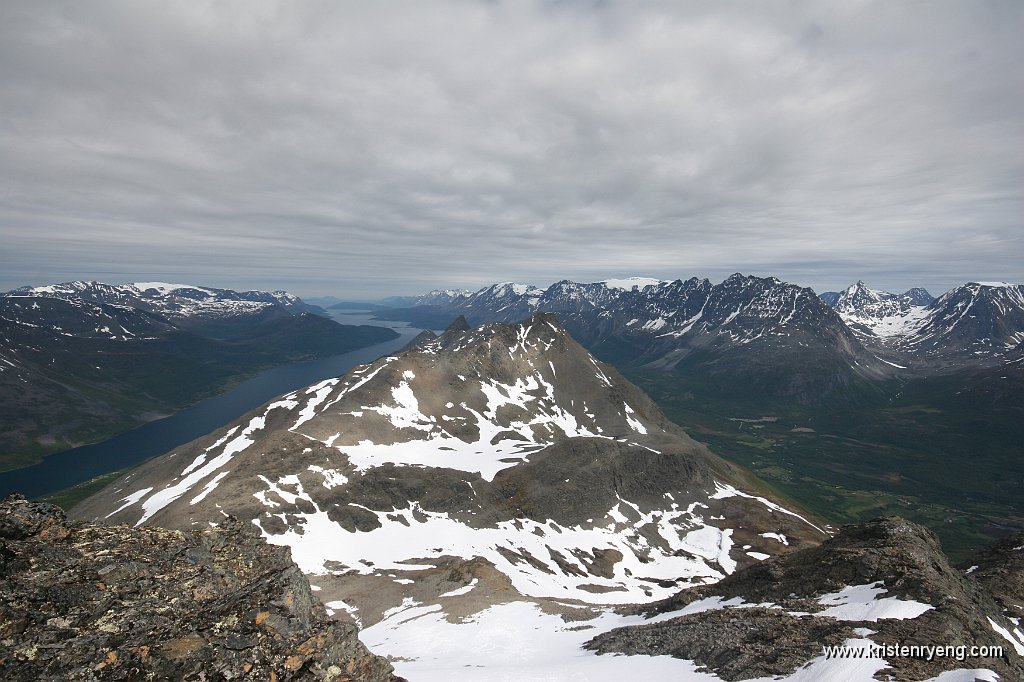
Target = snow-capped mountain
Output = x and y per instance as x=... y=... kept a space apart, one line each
x=879 y=313
x=982 y=319
x=504 y=302
x=181 y=303
x=798 y=347
x=978 y=322
x=740 y=310
x=497 y=464
x=441 y=297
x=478 y=504
x=853 y=335
x=919 y=296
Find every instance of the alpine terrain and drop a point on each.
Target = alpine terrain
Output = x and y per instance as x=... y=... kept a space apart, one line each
x=499 y=476
x=974 y=325
x=855 y=403
x=494 y=503
x=82 y=361
x=778 y=339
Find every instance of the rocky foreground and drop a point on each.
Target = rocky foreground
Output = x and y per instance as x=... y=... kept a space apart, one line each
x=86 y=602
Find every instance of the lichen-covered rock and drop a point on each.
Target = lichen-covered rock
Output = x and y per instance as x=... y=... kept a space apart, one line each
x=86 y=602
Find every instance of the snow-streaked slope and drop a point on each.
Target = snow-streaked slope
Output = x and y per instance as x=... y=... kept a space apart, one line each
x=980 y=319
x=480 y=502
x=507 y=444
x=977 y=322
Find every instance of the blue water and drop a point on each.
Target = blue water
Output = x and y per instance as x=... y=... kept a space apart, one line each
x=68 y=468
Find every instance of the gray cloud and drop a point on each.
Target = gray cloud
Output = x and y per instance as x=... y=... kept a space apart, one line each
x=375 y=148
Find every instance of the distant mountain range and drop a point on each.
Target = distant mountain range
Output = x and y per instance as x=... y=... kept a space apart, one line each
x=80 y=361
x=205 y=310
x=659 y=324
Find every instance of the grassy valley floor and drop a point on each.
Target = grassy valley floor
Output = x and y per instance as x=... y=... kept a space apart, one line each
x=955 y=467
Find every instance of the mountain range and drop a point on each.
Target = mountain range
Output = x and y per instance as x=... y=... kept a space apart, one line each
x=487 y=501
x=658 y=324
x=80 y=361
x=878 y=403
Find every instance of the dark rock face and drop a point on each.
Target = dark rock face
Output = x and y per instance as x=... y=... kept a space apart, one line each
x=761 y=642
x=114 y=603
x=776 y=627
x=1000 y=568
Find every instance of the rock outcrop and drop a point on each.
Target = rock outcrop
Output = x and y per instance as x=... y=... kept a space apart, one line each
x=85 y=602
x=883 y=582
x=1000 y=568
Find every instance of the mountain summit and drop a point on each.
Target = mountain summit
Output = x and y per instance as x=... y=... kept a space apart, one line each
x=507 y=449
x=479 y=502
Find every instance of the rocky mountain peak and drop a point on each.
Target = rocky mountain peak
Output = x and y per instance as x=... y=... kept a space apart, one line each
x=977 y=320
x=919 y=296
x=505 y=447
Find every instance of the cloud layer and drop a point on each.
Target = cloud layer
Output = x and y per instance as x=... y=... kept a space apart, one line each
x=388 y=147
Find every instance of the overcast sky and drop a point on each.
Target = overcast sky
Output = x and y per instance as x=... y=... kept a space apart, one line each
x=370 y=148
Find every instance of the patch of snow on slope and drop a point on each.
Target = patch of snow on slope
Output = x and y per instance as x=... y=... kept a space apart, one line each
x=459 y=591
x=405 y=413
x=891 y=325
x=713 y=544
x=723 y=491
x=518 y=641
x=210 y=486
x=1016 y=638
x=321 y=391
x=861 y=602
x=129 y=500
x=498 y=445
x=332 y=477
x=164 y=497
x=689 y=550
x=633 y=422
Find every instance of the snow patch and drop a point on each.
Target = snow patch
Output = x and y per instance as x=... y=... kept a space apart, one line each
x=862 y=602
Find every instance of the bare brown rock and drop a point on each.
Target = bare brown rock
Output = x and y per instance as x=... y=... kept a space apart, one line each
x=87 y=602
